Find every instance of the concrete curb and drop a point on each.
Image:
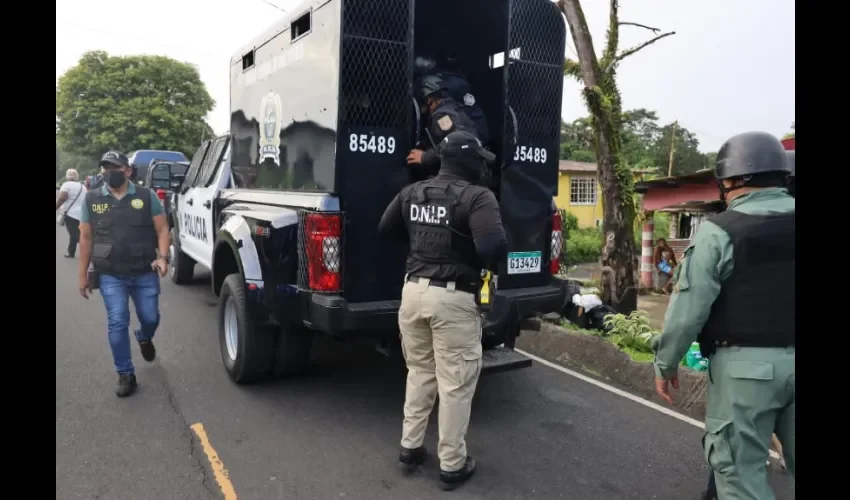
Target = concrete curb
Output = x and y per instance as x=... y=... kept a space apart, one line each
x=605 y=362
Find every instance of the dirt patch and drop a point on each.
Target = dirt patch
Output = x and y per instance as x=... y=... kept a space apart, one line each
x=604 y=361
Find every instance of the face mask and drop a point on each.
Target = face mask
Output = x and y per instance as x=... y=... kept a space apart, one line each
x=116 y=178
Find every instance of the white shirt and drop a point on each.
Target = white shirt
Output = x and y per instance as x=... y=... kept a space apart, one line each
x=73 y=188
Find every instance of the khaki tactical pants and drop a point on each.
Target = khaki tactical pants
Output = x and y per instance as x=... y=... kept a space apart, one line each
x=441 y=343
x=751 y=395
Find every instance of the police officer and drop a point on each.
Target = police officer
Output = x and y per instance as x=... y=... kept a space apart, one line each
x=444 y=116
x=455 y=230
x=792 y=179
x=121 y=228
x=735 y=294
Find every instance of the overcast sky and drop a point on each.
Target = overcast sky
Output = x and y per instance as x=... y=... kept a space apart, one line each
x=729 y=68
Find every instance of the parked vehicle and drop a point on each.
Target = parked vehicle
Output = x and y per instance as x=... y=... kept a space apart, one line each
x=164 y=177
x=140 y=160
x=284 y=209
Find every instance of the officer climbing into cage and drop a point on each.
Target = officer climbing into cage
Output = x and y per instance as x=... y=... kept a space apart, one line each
x=444 y=115
x=735 y=295
x=455 y=231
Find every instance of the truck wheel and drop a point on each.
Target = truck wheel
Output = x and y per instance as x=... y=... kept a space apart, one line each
x=181 y=267
x=292 y=354
x=246 y=351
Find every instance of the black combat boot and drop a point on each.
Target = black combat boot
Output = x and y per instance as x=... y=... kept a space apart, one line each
x=451 y=480
x=409 y=459
x=126 y=385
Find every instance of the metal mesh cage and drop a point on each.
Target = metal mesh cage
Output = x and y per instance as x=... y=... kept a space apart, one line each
x=375 y=71
x=535 y=75
x=320 y=244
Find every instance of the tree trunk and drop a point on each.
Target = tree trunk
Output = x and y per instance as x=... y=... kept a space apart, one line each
x=603 y=101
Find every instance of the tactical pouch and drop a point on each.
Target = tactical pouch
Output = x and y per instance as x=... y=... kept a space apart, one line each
x=94 y=279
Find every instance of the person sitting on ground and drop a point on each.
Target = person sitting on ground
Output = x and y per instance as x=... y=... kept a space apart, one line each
x=664 y=259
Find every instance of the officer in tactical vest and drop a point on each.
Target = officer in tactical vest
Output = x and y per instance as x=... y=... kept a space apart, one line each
x=444 y=116
x=792 y=179
x=734 y=293
x=455 y=230
x=121 y=228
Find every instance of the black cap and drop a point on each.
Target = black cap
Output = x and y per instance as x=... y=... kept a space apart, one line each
x=789 y=155
x=114 y=159
x=462 y=143
x=750 y=153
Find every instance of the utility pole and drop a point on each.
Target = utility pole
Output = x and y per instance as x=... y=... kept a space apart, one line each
x=672 y=149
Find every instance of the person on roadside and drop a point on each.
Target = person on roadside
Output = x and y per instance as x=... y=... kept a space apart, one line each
x=664 y=259
x=735 y=294
x=69 y=205
x=455 y=230
x=122 y=228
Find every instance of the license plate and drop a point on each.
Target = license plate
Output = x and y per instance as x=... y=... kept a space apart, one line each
x=524 y=262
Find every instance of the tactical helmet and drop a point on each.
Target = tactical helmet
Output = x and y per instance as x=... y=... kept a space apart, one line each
x=428 y=85
x=748 y=154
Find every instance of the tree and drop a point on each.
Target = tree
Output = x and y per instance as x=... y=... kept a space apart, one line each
x=602 y=98
x=127 y=103
x=686 y=156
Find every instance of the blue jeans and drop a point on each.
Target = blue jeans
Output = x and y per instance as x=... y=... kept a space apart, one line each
x=116 y=292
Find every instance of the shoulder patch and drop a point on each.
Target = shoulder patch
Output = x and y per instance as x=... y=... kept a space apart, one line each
x=445 y=123
x=469 y=99
x=137 y=203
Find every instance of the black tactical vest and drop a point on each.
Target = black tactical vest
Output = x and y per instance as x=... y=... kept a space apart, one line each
x=756 y=306
x=460 y=119
x=441 y=247
x=124 y=237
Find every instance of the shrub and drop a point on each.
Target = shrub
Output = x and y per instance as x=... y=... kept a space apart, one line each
x=569 y=222
x=583 y=245
x=632 y=331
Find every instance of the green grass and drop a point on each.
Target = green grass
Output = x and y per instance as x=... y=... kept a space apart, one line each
x=635 y=354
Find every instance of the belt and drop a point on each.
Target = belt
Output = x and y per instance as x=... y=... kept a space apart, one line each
x=463 y=287
x=768 y=345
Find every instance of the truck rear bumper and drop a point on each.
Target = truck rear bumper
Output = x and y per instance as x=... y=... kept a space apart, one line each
x=511 y=306
x=334 y=315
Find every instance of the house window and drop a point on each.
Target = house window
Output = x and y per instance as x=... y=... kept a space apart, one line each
x=583 y=191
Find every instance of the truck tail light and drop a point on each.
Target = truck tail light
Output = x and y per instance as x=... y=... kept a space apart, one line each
x=160 y=193
x=557 y=244
x=323 y=239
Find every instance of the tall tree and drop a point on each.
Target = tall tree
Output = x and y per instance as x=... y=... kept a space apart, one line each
x=687 y=158
x=133 y=102
x=602 y=97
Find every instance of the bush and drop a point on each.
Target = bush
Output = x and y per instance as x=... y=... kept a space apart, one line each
x=662 y=227
x=583 y=245
x=632 y=331
x=569 y=222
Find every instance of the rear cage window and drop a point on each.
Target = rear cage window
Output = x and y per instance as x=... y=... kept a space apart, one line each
x=302 y=26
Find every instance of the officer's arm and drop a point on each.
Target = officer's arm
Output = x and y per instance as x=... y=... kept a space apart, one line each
x=431 y=156
x=485 y=224
x=697 y=284
x=392 y=223
x=160 y=224
x=85 y=241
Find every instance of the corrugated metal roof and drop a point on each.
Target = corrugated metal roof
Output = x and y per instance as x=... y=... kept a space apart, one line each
x=576 y=166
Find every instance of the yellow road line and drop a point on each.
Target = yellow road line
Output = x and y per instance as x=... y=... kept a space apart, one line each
x=222 y=477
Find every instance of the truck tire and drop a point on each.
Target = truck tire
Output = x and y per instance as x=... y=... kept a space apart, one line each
x=181 y=267
x=246 y=351
x=292 y=353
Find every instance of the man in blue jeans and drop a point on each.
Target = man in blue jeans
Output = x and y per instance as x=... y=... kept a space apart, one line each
x=122 y=228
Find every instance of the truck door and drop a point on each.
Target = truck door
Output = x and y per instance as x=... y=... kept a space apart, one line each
x=197 y=232
x=529 y=180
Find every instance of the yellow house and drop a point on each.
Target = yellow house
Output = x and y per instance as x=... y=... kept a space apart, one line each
x=579 y=192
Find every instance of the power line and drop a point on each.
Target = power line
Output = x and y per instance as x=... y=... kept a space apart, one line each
x=278 y=7
x=124 y=36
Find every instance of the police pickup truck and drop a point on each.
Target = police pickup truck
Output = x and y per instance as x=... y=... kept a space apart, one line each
x=284 y=208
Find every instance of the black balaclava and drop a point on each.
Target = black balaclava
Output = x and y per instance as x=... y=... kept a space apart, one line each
x=468 y=167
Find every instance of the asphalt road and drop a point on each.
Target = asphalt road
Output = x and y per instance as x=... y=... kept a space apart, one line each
x=333 y=433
